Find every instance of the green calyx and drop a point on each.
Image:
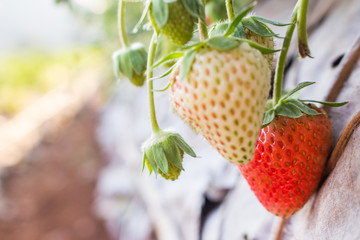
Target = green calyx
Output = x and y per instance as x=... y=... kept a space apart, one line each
x=163 y=154
x=131 y=63
x=292 y=107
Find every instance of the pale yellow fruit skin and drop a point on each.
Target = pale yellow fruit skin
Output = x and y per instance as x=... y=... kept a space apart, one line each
x=223 y=98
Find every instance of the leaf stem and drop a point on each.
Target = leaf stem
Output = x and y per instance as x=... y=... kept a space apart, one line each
x=121 y=23
x=152 y=48
x=230 y=10
x=203 y=26
x=280 y=66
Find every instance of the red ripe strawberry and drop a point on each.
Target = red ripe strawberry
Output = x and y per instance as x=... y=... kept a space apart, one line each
x=223 y=98
x=289 y=160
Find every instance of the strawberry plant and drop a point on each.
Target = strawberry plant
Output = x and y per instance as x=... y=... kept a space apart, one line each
x=295 y=140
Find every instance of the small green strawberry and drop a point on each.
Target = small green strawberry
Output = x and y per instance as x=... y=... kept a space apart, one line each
x=174 y=20
x=163 y=153
x=223 y=97
x=289 y=160
x=131 y=63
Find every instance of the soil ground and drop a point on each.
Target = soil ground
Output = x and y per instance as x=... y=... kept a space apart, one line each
x=50 y=194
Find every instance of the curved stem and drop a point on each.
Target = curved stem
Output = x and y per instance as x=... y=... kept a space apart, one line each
x=230 y=10
x=203 y=27
x=121 y=23
x=152 y=48
x=280 y=66
x=302 y=32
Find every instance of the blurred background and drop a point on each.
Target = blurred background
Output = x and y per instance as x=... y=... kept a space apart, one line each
x=70 y=135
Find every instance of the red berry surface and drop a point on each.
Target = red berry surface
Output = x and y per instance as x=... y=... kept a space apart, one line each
x=288 y=163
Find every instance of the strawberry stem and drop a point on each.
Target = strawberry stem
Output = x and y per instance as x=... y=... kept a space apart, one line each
x=230 y=10
x=299 y=17
x=121 y=24
x=280 y=66
x=152 y=48
x=203 y=32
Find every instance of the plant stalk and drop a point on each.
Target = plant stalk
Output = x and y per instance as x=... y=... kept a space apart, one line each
x=121 y=24
x=149 y=75
x=280 y=66
x=230 y=10
x=203 y=32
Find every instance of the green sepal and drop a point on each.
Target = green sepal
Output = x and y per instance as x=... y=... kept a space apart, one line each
x=330 y=104
x=160 y=158
x=183 y=145
x=288 y=110
x=160 y=12
x=268 y=117
x=222 y=43
x=303 y=107
x=231 y=28
x=170 y=57
x=186 y=63
x=258 y=27
x=259 y=47
x=138 y=57
x=264 y=20
x=296 y=89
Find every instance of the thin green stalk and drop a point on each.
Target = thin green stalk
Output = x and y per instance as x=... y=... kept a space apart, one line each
x=152 y=48
x=230 y=10
x=121 y=24
x=203 y=27
x=302 y=30
x=280 y=66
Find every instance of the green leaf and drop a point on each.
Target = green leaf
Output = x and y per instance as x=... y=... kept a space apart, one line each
x=302 y=107
x=296 y=89
x=170 y=57
x=218 y=29
x=237 y=20
x=160 y=12
x=143 y=166
x=264 y=20
x=186 y=63
x=268 y=117
x=258 y=27
x=222 y=43
x=331 y=104
x=259 y=47
x=183 y=145
x=288 y=110
x=160 y=158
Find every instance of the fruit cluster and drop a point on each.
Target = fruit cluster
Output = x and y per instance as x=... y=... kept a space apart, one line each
x=219 y=84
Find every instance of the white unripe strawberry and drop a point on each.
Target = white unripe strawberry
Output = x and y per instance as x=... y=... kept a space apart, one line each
x=223 y=97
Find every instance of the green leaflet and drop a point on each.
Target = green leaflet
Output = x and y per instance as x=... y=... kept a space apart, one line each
x=258 y=27
x=138 y=57
x=288 y=110
x=160 y=158
x=264 y=20
x=296 y=89
x=259 y=47
x=222 y=43
x=268 y=117
x=160 y=12
x=331 y=104
x=187 y=63
x=302 y=107
x=170 y=57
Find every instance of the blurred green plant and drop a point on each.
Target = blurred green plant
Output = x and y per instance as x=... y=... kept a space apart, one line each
x=26 y=76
